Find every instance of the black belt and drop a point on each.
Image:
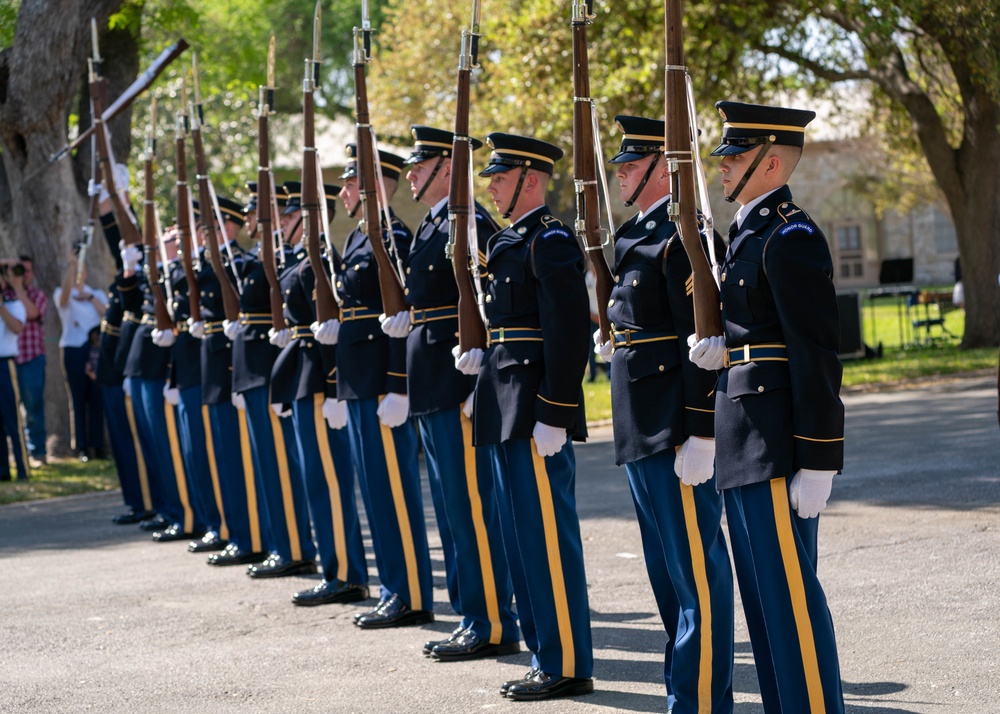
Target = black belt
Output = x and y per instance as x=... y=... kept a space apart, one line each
x=755 y=353
x=357 y=313
x=255 y=318
x=418 y=316
x=513 y=334
x=299 y=332
x=212 y=328
x=627 y=338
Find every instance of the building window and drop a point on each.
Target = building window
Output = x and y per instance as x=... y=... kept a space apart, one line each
x=849 y=253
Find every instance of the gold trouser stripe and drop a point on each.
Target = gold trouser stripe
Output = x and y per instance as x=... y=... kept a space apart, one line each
x=402 y=517
x=482 y=540
x=214 y=471
x=555 y=562
x=175 y=453
x=140 y=460
x=12 y=369
x=286 y=485
x=69 y=400
x=332 y=484
x=797 y=592
x=249 y=483
x=697 y=548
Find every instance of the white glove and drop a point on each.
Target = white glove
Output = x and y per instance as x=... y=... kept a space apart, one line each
x=196 y=328
x=549 y=440
x=396 y=326
x=694 y=462
x=127 y=387
x=279 y=339
x=239 y=401
x=468 y=362
x=282 y=410
x=326 y=333
x=171 y=395
x=131 y=257
x=602 y=349
x=122 y=179
x=810 y=490
x=393 y=410
x=163 y=338
x=230 y=329
x=335 y=413
x=708 y=352
x=97 y=189
x=467 y=406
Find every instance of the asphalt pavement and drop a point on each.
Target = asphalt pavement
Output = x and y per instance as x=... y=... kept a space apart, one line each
x=98 y=618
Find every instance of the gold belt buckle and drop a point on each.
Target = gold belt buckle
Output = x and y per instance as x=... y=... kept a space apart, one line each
x=746 y=353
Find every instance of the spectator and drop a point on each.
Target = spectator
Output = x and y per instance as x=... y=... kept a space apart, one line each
x=94 y=356
x=12 y=318
x=958 y=292
x=81 y=310
x=30 y=358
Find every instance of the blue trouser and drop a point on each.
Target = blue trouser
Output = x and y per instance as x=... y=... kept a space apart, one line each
x=463 y=475
x=123 y=447
x=86 y=409
x=10 y=420
x=157 y=437
x=244 y=513
x=31 y=381
x=146 y=486
x=201 y=478
x=541 y=533
x=791 y=631
x=692 y=579
x=328 y=475
x=276 y=461
x=389 y=475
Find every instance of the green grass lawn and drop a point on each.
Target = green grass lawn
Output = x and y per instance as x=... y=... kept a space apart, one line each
x=914 y=356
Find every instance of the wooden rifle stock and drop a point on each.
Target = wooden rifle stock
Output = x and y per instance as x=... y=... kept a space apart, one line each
x=679 y=147
x=184 y=230
x=461 y=208
x=588 y=218
x=123 y=216
x=265 y=223
x=390 y=288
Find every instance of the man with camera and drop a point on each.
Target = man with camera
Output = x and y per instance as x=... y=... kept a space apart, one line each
x=12 y=319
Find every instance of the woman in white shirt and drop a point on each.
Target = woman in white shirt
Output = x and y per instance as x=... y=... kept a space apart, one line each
x=80 y=310
x=12 y=317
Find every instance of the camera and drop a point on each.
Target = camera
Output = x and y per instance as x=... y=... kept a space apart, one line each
x=17 y=270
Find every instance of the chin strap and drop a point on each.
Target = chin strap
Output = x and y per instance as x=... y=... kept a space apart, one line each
x=517 y=192
x=354 y=211
x=766 y=142
x=642 y=184
x=430 y=178
x=290 y=233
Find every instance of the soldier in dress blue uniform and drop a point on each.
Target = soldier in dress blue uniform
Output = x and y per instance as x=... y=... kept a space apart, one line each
x=371 y=378
x=779 y=421
x=245 y=523
x=145 y=368
x=664 y=423
x=124 y=438
x=303 y=381
x=272 y=438
x=529 y=409
x=461 y=476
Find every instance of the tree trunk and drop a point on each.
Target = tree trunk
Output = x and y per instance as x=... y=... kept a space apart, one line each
x=39 y=76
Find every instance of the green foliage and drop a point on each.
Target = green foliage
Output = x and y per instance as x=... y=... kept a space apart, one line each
x=8 y=21
x=62 y=477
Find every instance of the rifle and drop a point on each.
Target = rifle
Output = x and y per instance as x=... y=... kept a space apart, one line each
x=264 y=216
x=230 y=300
x=585 y=155
x=326 y=304
x=141 y=83
x=681 y=152
x=95 y=174
x=184 y=211
x=149 y=224
x=389 y=284
x=462 y=239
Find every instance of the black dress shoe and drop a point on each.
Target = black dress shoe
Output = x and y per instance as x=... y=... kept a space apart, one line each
x=231 y=555
x=176 y=532
x=331 y=591
x=156 y=523
x=428 y=646
x=277 y=567
x=469 y=645
x=126 y=519
x=548 y=686
x=208 y=542
x=511 y=682
x=394 y=613
x=374 y=611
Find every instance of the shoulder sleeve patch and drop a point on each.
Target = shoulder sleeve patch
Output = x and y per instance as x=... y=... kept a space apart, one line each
x=799 y=226
x=559 y=231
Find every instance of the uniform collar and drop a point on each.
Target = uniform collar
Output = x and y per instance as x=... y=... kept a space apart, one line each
x=747 y=209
